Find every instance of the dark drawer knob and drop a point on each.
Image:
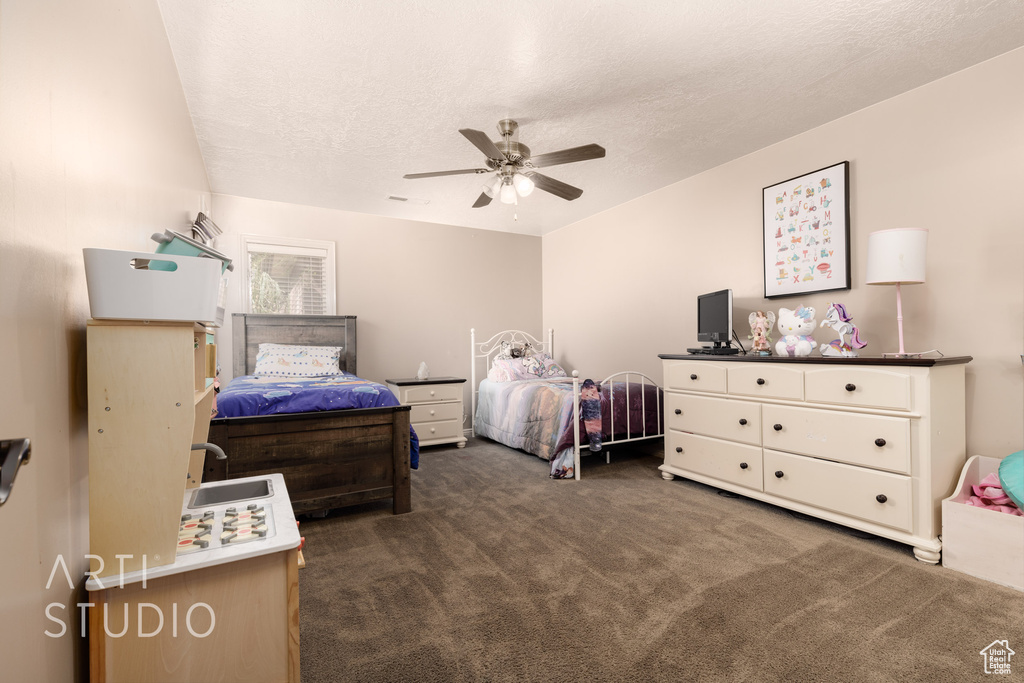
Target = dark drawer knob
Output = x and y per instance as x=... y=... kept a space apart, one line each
x=693 y=376
x=851 y=387
x=779 y=474
x=760 y=380
x=678 y=411
x=743 y=420
x=777 y=427
x=881 y=498
x=679 y=449
x=744 y=465
x=879 y=442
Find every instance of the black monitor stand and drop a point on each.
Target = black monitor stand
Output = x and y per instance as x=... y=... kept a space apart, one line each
x=719 y=350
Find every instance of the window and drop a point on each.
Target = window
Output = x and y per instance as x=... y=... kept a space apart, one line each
x=292 y=276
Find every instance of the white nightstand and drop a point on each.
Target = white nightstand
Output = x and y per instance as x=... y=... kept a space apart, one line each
x=436 y=407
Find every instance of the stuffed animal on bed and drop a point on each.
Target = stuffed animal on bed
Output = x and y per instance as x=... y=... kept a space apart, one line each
x=590 y=412
x=514 y=350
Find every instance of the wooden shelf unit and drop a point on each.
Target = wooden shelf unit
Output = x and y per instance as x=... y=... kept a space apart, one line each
x=149 y=401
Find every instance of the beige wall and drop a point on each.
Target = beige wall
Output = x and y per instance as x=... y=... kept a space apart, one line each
x=416 y=288
x=947 y=157
x=96 y=150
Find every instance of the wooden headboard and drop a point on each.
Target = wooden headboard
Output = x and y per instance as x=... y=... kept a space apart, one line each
x=249 y=330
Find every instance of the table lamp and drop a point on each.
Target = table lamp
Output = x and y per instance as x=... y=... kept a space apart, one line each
x=897 y=257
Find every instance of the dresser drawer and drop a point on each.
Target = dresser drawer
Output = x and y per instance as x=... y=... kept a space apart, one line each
x=428 y=431
x=429 y=393
x=767 y=381
x=874 y=496
x=874 y=441
x=717 y=417
x=435 y=412
x=695 y=376
x=869 y=388
x=722 y=460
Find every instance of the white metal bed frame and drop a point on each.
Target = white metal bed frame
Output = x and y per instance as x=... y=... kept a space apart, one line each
x=488 y=349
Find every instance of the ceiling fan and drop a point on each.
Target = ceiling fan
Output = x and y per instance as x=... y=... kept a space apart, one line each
x=513 y=166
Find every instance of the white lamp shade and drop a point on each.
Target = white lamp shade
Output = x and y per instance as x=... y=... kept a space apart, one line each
x=897 y=256
x=508 y=194
x=524 y=186
x=491 y=187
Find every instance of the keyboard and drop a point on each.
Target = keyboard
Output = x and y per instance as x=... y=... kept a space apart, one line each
x=712 y=351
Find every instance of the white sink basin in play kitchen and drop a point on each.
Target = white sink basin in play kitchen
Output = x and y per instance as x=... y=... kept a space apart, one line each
x=242 y=490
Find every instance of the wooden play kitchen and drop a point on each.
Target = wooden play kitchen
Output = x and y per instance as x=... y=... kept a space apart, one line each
x=195 y=590
x=189 y=581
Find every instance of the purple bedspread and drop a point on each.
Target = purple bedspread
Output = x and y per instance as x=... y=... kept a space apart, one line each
x=248 y=396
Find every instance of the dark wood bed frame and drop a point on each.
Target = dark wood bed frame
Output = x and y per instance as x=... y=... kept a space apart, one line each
x=329 y=459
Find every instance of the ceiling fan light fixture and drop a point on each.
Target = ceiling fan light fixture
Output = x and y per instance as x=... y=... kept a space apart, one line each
x=524 y=186
x=508 y=193
x=492 y=187
x=513 y=165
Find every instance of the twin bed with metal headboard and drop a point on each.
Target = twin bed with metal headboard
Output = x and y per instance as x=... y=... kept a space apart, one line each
x=330 y=458
x=527 y=401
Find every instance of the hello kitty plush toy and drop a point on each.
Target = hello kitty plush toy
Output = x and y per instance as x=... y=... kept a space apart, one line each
x=796 y=328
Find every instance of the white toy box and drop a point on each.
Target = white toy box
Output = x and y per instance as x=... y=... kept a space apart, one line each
x=983 y=543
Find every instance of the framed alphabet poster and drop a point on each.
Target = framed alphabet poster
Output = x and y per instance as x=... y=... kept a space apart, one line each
x=807 y=233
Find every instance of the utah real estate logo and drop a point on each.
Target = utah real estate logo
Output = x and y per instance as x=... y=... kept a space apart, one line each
x=997 y=656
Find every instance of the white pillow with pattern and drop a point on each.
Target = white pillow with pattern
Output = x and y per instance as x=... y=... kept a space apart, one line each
x=287 y=360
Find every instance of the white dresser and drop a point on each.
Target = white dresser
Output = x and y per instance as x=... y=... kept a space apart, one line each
x=871 y=443
x=436 y=408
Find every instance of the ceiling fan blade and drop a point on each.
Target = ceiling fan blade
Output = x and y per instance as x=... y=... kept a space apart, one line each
x=482 y=200
x=555 y=187
x=439 y=173
x=568 y=156
x=483 y=143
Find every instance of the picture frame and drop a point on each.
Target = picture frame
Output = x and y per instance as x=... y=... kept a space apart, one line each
x=806 y=224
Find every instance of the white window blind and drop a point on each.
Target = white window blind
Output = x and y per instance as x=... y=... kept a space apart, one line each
x=289 y=276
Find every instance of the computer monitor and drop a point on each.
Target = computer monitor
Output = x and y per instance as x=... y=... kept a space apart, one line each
x=714 y=317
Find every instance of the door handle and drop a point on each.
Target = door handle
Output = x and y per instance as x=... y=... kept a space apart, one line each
x=13 y=454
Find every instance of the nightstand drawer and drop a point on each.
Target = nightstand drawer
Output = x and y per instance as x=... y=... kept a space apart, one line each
x=430 y=393
x=429 y=431
x=435 y=412
x=723 y=460
x=767 y=381
x=875 y=441
x=695 y=376
x=878 y=497
x=717 y=417
x=859 y=387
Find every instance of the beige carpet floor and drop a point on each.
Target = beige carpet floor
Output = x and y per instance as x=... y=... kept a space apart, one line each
x=501 y=574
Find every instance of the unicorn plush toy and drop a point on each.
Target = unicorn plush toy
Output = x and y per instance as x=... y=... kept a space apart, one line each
x=839 y=320
x=796 y=328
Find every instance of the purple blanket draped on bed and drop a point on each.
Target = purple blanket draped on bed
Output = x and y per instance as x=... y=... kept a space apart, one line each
x=643 y=412
x=248 y=396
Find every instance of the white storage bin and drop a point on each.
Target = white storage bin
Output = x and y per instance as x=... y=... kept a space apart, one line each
x=979 y=542
x=119 y=290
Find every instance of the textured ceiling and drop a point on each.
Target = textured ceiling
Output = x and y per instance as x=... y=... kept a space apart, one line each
x=330 y=103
